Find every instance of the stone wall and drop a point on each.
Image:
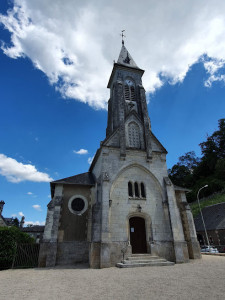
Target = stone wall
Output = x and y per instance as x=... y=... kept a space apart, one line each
x=73 y=227
x=72 y=252
x=119 y=207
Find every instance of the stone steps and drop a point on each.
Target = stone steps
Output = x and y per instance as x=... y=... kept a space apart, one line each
x=142 y=257
x=143 y=260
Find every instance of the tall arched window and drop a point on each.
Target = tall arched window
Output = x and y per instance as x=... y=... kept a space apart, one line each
x=143 y=194
x=136 y=189
x=129 y=90
x=130 y=189
x=134 y=135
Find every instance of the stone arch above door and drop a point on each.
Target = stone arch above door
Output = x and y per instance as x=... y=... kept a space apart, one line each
x=145 y=173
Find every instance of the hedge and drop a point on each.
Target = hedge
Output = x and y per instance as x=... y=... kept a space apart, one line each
x=9 y=237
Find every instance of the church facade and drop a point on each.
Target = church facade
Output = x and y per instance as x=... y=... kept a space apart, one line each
x=125 y=203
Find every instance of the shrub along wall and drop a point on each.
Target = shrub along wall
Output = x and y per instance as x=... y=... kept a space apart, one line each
x=9 y=237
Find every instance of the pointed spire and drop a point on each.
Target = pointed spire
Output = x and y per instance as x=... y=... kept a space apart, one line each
x=125 y=58
x=122 y=34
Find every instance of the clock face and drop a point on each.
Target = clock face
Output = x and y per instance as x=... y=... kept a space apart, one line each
x=129 y=82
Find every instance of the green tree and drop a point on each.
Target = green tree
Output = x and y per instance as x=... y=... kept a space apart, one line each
x=193 y=173
x=16 y=222
x=181 y=173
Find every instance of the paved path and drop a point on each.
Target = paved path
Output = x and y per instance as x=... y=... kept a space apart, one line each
x=200 y=279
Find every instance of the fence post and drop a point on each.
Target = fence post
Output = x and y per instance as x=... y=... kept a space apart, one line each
x=14 y=257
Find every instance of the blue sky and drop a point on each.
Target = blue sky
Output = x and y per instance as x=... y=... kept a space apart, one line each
x=50 y=111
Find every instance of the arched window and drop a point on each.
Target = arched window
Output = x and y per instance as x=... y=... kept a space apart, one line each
x=130 y=189
x=134 y=135
x=136 y=189
x=143 y=194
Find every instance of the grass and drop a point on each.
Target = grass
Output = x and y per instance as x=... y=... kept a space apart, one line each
x=218 y=198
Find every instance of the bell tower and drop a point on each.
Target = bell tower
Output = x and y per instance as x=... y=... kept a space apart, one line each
x=127 y=107
x=125 y=203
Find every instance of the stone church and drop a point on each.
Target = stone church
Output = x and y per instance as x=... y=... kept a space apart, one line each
x=125 y=204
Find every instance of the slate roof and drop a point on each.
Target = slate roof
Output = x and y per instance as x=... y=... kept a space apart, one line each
x=3 y=220
x=126 y=59
x=35 y=228
x=179 y=188
x=214 y=217
x=8 y=221
x=82 y=179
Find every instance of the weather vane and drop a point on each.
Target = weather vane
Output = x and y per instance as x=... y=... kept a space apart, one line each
x=123 y=36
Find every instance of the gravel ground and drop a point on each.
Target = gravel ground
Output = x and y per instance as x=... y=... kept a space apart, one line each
x=199 y=279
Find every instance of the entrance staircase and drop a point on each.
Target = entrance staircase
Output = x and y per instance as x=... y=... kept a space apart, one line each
x=144 y=260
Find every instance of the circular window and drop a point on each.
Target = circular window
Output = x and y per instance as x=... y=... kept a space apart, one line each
x=77 y=205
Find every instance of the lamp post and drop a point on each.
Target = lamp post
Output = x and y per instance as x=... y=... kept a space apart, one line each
x=202 y=215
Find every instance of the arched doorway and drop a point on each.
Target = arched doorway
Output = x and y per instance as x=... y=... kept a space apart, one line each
x=138 y=235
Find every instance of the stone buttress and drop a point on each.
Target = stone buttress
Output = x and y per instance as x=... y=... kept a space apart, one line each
x=126 y=203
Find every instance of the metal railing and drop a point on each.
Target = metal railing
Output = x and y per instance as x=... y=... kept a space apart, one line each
x=26 y=256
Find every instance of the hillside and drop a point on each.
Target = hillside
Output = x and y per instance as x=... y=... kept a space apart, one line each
x=214 y=199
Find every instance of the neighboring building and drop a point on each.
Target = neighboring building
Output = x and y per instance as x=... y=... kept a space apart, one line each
x=126 y=200
x=214 y=218
x=5 y=221
x=35 y=231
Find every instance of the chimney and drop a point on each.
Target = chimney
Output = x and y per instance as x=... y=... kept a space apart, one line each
x=1 y=206
x=22 y=222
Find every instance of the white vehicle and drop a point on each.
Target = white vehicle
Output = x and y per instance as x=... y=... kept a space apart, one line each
x=209 y=249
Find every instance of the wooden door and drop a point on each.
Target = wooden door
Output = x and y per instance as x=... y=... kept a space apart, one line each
x=138 y=235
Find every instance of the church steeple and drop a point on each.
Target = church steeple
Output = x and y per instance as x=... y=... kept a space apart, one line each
x=127 y=108
x=125 y=58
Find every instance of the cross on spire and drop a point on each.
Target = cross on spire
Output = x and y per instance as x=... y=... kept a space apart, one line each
x=123 y=36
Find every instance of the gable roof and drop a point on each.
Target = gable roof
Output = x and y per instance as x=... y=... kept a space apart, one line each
x=8 y=221
x=2 y=221
x=214 y=217
x=35 y=228
x=182 y=189
x=158 y=142
x=82 y=179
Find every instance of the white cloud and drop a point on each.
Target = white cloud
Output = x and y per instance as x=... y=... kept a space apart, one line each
x=37 y=207
x=34 y=223
x=49 y=196
x=36 y=139
x=81 y=151
x=90 y=159
x=20 y=214
x=29 y=193
x=74 y=42
x=15 y=171
x=13 y=215
x=213 y=68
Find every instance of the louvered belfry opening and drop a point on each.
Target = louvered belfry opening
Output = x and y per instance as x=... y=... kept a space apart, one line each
x=132 y=93
x=129 y=92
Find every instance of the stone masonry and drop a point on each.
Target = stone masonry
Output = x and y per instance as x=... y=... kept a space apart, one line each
x=126 y=203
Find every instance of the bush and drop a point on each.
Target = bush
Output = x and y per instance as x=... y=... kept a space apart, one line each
x=9 y=237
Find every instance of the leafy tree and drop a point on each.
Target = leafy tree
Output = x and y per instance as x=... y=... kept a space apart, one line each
x=16 y=222
x=193 y=173
x=214 y=146
x=220 y=169
x=181 y=173
x=189 y=160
